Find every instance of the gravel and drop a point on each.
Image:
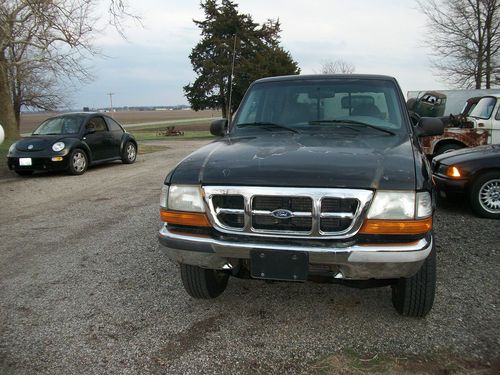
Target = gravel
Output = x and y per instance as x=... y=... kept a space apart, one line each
x=84 y=289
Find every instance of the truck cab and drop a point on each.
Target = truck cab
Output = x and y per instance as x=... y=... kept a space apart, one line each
x=486 y=115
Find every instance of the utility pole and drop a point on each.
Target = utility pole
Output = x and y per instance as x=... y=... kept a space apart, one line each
x=111 y=102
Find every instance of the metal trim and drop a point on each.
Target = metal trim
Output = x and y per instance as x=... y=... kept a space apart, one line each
x=363 y=197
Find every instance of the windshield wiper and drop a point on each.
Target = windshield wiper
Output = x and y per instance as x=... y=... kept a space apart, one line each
x=351 y=122
x=266 y=125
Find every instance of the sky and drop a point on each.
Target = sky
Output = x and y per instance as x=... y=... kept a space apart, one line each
x=152 y=65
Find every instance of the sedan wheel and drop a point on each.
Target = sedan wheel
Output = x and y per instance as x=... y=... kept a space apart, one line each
x=78 y=162
x=485 y=195
x=129 y=153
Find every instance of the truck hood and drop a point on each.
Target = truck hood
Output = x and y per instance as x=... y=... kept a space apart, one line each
x=302 y=160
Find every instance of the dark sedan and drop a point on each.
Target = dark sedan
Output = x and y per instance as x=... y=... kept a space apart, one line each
x=72 y=142
x=473 y=171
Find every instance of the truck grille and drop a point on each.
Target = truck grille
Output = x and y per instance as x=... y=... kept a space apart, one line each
x=289 y=212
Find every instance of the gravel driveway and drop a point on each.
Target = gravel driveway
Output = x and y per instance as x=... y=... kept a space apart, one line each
x=85 y=290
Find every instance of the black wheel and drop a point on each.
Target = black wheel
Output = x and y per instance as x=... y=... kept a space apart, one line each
x=24 y=173
x=129 y=153
x=203 y=283
x=485 y=195
x=447 y=148
x=414 y=296
x=78 y=162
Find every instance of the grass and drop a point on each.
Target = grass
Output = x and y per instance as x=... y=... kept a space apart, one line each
x=348 y=362
x=4 y=148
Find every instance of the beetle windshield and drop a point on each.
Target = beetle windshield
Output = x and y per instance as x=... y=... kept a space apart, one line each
x=484 y=108
x=60 y=125
x=322 y=103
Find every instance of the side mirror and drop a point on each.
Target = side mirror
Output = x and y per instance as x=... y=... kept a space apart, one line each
x=428 y=126
x=218 y=127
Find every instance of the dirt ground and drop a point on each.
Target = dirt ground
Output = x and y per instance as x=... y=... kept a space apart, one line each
x=84 y=289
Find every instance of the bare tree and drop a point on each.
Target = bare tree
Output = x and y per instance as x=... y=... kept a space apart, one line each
x=337 y=67
x=465 y=38
x=45 y=45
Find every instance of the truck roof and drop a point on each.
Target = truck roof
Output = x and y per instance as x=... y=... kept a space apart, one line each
x=307 y=77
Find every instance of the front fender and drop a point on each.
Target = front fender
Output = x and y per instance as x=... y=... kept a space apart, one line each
x=126 y=138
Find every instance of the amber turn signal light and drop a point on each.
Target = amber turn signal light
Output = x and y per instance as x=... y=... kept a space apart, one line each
x=396 y=226
x=192 y=219
x=453 y=172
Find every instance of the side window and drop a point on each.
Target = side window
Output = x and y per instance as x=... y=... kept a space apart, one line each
x=97 y=124
x=497 y=116
x=113 y=125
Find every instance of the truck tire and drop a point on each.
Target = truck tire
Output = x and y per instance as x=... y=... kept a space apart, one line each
x=414 y=296
x=447 y=148
x=485 y=195
x=203 y=283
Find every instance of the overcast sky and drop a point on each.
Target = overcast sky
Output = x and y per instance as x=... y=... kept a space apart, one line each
x=152 y=65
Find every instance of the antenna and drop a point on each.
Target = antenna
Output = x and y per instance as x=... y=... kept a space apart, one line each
x=231 y=84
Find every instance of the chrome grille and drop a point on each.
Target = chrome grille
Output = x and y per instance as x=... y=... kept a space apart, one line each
x=287 y=212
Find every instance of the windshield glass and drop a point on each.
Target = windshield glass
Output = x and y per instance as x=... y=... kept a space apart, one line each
x=309 y=104
x=484 y=108
x=60 y=125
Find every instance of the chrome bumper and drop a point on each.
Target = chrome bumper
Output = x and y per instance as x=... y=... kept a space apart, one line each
x=358 y=262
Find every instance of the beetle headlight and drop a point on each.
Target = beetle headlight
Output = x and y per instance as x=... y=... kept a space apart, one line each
x=12 y=148
x=58 y=146
x=182 y=198
x=400 y=205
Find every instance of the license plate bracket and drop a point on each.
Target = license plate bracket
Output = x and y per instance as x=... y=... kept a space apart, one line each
x=279 y=265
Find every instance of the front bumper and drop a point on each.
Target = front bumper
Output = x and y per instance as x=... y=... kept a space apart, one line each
x=449 y=185
x=355 y=262
x=38 y=164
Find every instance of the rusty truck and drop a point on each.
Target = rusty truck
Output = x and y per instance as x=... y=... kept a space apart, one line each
x=477 y=123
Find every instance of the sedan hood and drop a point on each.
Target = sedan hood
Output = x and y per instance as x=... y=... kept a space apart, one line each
x=468 y=154
x=302 y=160
x=37 y=143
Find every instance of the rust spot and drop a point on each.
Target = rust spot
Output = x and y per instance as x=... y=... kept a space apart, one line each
x=468 y=137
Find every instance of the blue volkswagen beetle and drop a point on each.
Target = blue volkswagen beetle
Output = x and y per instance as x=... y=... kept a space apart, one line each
x=72 y=142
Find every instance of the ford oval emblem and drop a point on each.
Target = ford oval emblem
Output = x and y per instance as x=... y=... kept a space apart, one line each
x=282 y=214
x=30 y=147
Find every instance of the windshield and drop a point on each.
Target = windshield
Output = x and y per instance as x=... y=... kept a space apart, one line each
x=313 y=104
x=60 y=125
x=484 y=108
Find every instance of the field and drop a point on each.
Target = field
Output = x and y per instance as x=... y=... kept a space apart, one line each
x=30 y=120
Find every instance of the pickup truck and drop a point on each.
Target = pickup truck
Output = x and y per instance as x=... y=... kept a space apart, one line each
x=317 y=177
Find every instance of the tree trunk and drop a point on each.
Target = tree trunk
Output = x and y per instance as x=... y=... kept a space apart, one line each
x=480 y=47
x=7 y=116
x=488 y=25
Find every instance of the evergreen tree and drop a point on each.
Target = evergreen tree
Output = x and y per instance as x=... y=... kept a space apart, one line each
x=258 y=54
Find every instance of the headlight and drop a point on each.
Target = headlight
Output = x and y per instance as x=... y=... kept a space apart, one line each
x=12 y=148
x=393 y=205
x=58 y=146
x=400 y=205
x=183 y=198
